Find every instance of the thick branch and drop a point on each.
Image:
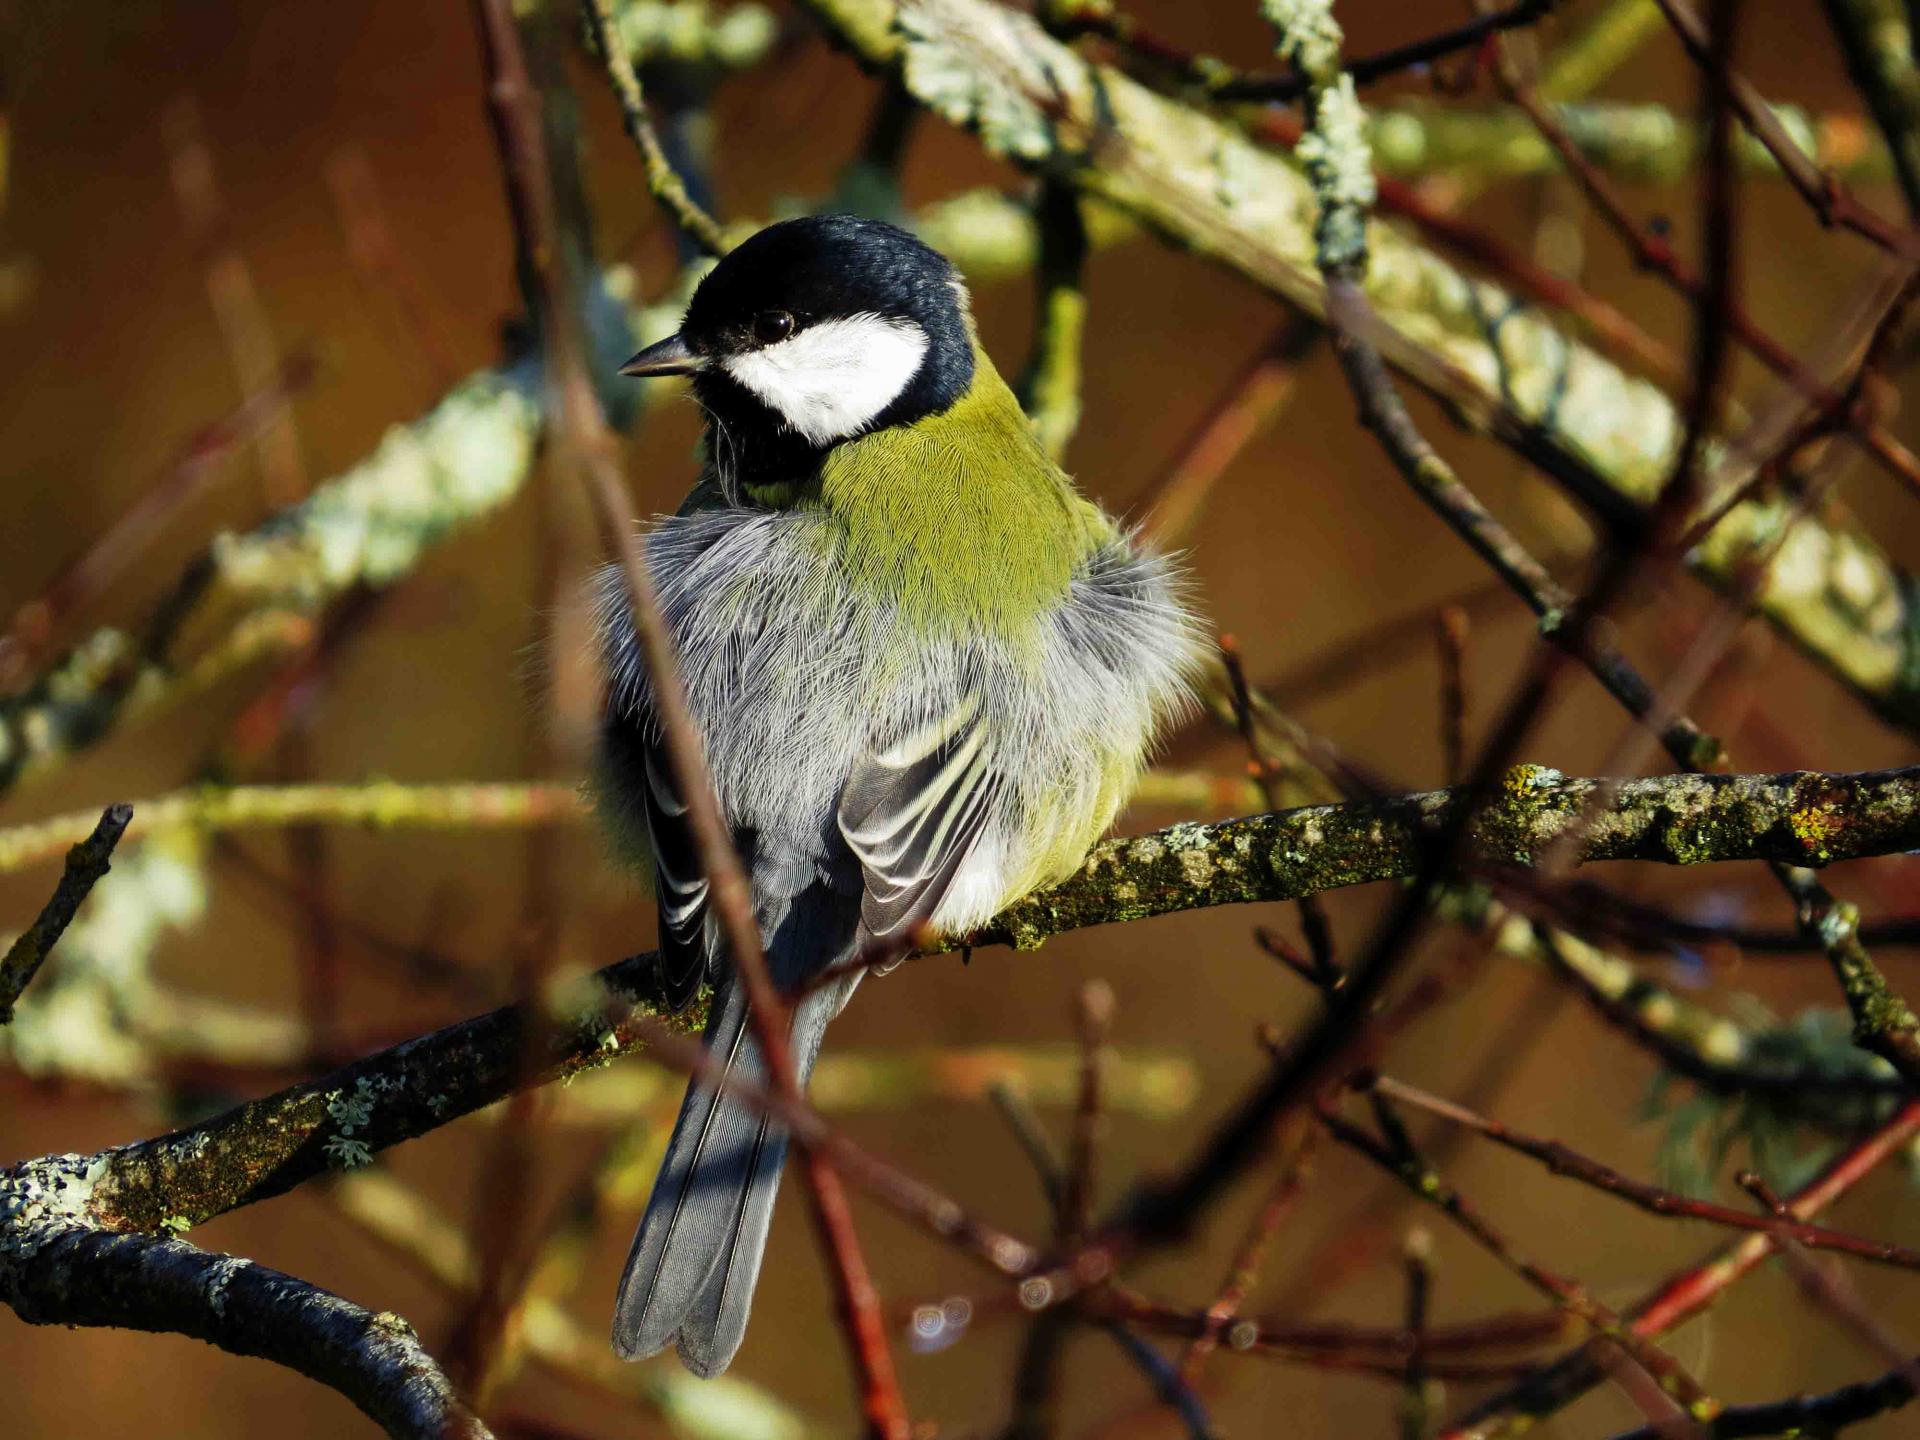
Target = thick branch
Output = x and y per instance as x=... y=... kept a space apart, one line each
x=1610 y=438
x=57 y=1269
x=1797 y=818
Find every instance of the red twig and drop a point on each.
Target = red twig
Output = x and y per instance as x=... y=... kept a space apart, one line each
x=1829 y=196
x=1094 y=1013
x=381 y=265
x=1655 y=254
x=182 y=480
x=235 y=300
x=515 y=108
x=1563 y=1160
x=1395 y=1154
x=1692 y=1290
x=1244 y=1272
x=1252 y=398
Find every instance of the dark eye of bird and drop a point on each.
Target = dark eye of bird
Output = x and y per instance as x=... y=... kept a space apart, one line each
x=772 y=325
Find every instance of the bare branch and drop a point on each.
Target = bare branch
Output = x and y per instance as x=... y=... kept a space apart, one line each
x=86 y=863
x=57 y=1268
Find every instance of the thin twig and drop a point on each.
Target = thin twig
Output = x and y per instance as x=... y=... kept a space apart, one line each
x=1032 y=1137
x=1398 y=1158
x=1809 y=1415
x=1688 y=1292
x=1450 y=632
x=1244 y=1271
x=235 y=300
x=1656 y=255
x=1251 y=401
x=516 y=105
x=1094 y=1013
x=382 y=266
x=1874 y=37
x=662 y=180
x=1418 y=1400
x=1564 y=1160
x=86 y=863
x=1831 y=200
x=187 y=475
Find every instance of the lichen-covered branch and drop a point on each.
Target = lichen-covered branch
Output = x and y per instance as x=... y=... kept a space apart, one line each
x=267 y=1146
x=694 y=33
x=58 y=1268
x=255 y=593
x=662 y=179
x=1800 y=819
x=377 y=804
x=252 y=593
x=1630 y=140
x=1503 y=366
x=459 y=805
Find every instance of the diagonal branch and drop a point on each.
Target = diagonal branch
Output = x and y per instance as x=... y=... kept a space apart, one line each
x=86 y=863
x=1826 y=1414
x=1501 y=366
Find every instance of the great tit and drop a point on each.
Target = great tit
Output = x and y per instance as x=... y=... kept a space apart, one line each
x=925 y=670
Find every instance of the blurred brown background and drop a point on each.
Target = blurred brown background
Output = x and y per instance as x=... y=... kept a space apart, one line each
x=111 y=358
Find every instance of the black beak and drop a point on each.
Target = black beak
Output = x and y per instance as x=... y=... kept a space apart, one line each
x=670 y=356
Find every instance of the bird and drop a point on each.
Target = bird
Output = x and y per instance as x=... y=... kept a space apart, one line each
x=925 y=670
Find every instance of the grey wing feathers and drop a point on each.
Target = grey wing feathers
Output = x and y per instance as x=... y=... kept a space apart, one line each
x=911 y=814
x=680 y=886
x=690 y=1275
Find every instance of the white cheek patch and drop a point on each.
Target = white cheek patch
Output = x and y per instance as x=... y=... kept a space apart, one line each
x=832 y=378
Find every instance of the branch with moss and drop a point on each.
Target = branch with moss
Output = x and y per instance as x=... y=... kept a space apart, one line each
x=693 y=33
x=1800 y=819
x=1499 y=364
x=103 y=1210
x=376 y=804
x=663 y=181
x=1631 y=141
x=459 y=805
x=254 y=594
x=267 y=1146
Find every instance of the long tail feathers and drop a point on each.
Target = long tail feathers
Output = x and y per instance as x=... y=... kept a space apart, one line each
x=690 y=1276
